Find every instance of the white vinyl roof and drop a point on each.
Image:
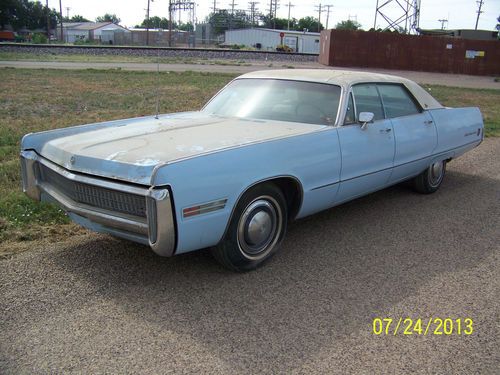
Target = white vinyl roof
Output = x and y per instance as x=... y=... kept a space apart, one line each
x=346 y=78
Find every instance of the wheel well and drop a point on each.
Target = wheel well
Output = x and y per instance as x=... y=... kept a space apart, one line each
x=292 y=190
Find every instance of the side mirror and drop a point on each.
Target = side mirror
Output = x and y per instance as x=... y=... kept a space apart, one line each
x=365 y=118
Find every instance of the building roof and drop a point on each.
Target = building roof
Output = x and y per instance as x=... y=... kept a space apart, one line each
x=88 y=25
x=346 y=78
x=288 y=32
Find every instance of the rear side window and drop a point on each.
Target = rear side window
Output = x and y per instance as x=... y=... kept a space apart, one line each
x=368 y=100
x=397 y=101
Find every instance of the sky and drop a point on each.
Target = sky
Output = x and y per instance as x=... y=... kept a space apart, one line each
x=461 y=14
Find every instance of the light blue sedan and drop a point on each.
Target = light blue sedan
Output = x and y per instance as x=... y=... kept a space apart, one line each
x=270 y=147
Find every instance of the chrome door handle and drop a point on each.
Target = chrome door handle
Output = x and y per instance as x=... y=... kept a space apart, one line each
x=428 y=122
x=387 y=130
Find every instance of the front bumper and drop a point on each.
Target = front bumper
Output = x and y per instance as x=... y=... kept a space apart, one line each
x=157 y=228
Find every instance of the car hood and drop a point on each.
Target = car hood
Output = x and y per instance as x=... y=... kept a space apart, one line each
x=129 y=150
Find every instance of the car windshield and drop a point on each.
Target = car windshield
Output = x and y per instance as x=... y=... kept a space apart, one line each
x=281 y=100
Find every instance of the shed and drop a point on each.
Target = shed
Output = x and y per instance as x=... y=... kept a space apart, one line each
x=269 y=39
x=73 y=31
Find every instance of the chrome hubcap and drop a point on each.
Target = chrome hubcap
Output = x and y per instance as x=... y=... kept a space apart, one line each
x=436 y=173
x=259 y=227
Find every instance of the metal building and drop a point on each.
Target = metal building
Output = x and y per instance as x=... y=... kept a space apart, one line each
x=269 y=39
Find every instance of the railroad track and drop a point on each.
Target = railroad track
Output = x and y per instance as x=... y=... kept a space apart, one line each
x=217 y=53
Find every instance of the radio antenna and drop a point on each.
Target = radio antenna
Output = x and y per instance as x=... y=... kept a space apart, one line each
x=158 y=73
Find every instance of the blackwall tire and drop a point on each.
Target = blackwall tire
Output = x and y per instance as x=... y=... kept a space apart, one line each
x=430 y=180
x=256 y=230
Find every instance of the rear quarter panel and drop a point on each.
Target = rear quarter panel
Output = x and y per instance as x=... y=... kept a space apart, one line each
x=458 y=129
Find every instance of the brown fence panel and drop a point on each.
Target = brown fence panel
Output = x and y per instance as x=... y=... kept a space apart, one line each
x=409 y=52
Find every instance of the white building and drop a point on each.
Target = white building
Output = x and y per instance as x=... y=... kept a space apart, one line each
x=269 y=39
x=73 y=31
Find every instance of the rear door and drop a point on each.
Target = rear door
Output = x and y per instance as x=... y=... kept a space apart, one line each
x=367 y=154
x=414 y=131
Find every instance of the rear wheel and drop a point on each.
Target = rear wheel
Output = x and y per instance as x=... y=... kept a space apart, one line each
x=256 y=230
x=430 y=180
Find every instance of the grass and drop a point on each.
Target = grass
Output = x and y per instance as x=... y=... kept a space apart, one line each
x=486 y=99
x=35 y=100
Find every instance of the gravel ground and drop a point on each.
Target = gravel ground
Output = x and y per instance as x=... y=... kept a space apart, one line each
x=93 y=304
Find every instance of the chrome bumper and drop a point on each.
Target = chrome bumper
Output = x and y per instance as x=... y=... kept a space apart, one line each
x=157 y=229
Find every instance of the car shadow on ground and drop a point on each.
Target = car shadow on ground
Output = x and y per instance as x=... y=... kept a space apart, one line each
x=335 y=271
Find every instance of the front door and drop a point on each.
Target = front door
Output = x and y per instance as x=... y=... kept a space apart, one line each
x=367 y=154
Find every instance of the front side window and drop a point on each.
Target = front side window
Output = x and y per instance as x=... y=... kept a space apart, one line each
x=281 y=100
x=368 y=100
x=397 y=101
x=350 y=116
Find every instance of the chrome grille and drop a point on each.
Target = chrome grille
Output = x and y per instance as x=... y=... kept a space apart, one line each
x=95 y=196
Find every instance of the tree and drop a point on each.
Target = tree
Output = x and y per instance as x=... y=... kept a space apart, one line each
x=155 y=22
x=223 y=20
x=348 y=25
x=75 y=18
x=309 y=23
x=26 y=14
x=108 y=18
x=278 y=23
x=188 y=26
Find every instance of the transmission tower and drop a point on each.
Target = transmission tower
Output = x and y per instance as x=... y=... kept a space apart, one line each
x=407 y=15
x=181 y=6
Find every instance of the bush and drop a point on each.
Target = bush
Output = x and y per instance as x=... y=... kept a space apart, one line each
x=83 y=42
x=39 y=38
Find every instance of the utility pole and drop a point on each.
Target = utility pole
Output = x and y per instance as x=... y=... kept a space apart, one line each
x=231 y=17
x=170 y=22
x=328 y=14
x=147 y=24
x=480 y=3
x=320 y=10
x=290 y=5
x=48 y=20
x=60 y=13
x=443 y=21
x=273 y=6
x=253 y=11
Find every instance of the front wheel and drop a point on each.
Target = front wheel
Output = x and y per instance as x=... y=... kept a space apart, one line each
x=430 y=180
x=257 y=227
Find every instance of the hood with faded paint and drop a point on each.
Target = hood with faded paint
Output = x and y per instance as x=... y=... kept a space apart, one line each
x=130 y=151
